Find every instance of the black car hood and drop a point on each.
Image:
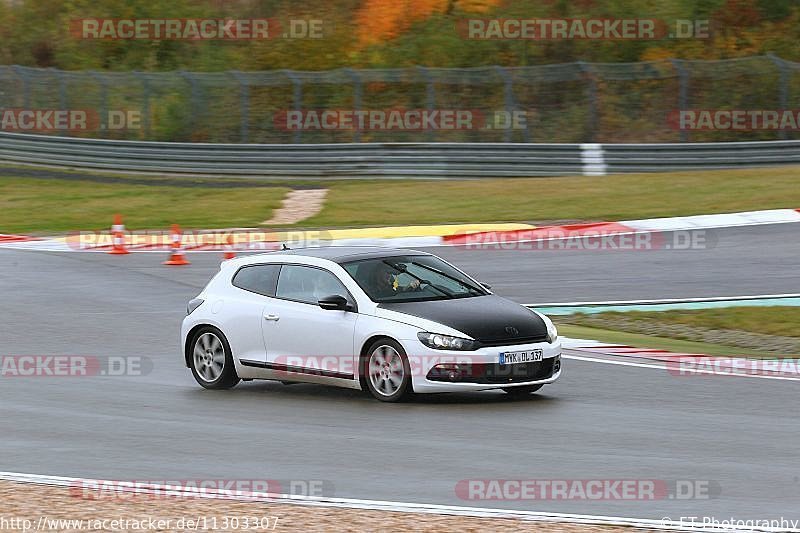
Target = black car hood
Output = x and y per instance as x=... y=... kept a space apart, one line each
x=490 y=319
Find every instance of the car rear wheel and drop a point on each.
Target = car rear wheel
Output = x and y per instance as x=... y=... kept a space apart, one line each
x=519 y=392
x=211 y=360
x=387 y=372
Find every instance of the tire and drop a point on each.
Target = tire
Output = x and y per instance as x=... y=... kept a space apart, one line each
x=386 y=371
x=521 y=392
x=210 y=349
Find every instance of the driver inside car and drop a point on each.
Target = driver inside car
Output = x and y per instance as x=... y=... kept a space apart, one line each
x=386 y=281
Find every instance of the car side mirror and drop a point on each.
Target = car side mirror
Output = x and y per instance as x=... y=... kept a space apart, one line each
x=334 y=302
x=486 y=286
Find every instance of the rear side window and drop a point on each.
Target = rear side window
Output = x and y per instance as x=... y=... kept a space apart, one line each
x=308 y=284
x=260 y=279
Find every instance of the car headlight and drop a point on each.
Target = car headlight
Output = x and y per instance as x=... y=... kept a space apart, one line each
x=445 y=342
x=552 y=332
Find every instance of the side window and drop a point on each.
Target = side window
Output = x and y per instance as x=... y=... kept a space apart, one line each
x=308 y=284
x=260 y=279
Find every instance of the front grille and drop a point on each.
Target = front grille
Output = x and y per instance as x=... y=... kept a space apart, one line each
x=494 y=373
x=488 y=343
x=497 y=373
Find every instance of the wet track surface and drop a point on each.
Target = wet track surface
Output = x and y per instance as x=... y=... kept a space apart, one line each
x=598 y=422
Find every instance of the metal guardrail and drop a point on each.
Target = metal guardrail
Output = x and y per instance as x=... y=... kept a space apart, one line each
x=388 y=160
x=696 y=156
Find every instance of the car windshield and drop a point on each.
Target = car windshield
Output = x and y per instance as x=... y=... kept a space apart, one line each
x=411 y=278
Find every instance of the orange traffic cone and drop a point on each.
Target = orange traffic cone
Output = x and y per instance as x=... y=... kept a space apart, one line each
x=229 y=253
x=118 y=235
x=176 y=256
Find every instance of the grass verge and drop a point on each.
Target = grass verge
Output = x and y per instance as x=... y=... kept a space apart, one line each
x=617 y=197
x=767 y=331
x=768 y=320
x=47 y=200
x=648 y=341
x=34 y=205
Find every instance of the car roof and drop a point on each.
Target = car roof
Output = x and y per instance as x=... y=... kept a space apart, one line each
x=343 y=254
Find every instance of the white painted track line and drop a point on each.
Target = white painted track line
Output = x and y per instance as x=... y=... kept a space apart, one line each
x=377 y=505
x=664 y=368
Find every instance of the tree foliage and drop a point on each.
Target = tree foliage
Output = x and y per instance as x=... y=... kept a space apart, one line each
x=385 y=33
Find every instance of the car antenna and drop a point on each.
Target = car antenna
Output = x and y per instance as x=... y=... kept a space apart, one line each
x=284 y=247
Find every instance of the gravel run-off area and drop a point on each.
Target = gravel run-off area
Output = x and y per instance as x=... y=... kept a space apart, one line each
x=49 y=508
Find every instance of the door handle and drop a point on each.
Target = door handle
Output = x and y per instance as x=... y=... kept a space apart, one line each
x=274 y=318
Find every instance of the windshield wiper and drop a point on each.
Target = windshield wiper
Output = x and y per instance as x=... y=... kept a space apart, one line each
x=448 y=276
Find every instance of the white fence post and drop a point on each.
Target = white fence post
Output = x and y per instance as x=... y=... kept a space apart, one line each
x=592 y=159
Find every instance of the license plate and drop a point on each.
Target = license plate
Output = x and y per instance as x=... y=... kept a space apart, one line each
x=514 y=358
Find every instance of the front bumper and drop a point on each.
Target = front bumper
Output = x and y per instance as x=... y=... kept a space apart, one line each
x=453 y=371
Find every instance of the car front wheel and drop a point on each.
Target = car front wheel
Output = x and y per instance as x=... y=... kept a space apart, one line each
x=211 y=360
x=387 y=371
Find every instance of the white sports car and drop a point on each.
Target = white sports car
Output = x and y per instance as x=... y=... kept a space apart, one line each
x=393 y=322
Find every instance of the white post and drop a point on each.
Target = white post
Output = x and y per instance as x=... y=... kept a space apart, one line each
x=592 y=159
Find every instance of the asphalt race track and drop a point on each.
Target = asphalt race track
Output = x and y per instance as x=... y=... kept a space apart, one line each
x=735 y=262
x=599 y=421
